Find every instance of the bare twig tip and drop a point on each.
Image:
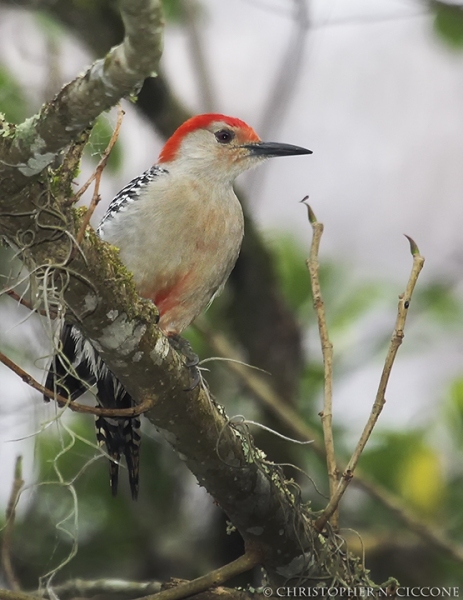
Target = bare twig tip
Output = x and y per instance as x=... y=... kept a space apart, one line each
x=312 y=217
x=413 y=247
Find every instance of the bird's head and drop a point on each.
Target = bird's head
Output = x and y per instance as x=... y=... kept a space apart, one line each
x=224 y=146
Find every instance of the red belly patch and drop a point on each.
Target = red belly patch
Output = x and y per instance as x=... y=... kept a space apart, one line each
x=167 y=298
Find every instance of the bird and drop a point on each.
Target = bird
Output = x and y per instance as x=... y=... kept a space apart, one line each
x=179 y=228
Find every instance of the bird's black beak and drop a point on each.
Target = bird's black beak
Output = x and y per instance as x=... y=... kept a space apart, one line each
x=274 y=149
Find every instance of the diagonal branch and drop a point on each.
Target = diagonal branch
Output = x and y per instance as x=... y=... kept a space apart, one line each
x=98 y=411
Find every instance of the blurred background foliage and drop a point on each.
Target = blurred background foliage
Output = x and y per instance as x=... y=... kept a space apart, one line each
x=175 y=529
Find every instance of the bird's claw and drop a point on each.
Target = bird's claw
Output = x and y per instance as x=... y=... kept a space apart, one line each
x=191 y=362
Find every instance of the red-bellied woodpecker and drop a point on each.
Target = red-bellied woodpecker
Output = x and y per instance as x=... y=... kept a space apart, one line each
x=179 y=228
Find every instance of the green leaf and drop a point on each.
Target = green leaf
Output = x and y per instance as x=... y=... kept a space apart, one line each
x=50 y=26
x=290 y=262
x=311 y=386
x=173 y=10
x=439 y=299
x=405 y=463
x=453 y=411
x=392 y=448
x=356 y=303
x=12 y=99
x=448 y=24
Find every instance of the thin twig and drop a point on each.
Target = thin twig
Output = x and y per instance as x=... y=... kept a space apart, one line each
x=212 y=579
x=96 y=175
x=327 y=351
x=8 y=533
x=380 y=400
x=287 y=415
x=28 y=304
x=18 y=299
x=74 y=406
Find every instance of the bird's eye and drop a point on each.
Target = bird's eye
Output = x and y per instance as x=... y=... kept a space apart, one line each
x=224 y=136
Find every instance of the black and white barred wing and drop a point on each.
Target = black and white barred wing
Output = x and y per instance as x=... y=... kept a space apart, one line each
x=129 y=194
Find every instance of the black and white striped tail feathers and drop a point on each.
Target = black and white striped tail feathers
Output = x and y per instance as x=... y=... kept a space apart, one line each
x=74 y=370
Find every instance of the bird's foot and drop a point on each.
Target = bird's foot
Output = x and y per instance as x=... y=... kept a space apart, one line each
x=183 y=346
